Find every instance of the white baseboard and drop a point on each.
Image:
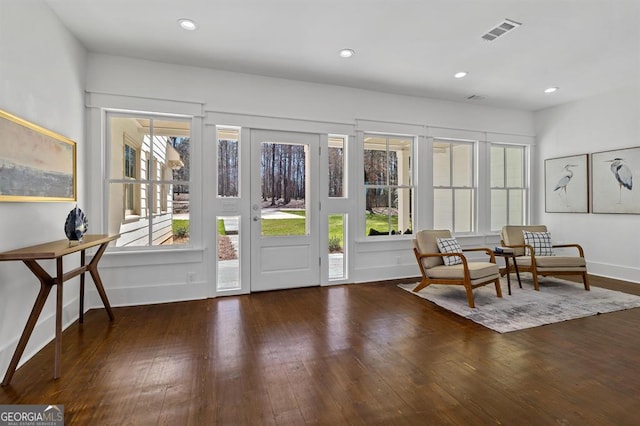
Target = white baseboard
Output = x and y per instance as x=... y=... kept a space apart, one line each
x=363 y=275
x=617 y=272
x=148 y=295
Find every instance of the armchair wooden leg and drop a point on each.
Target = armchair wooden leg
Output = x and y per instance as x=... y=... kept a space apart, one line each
x=420 y=286
x=498 y=288
x=585 y=280
x=534 y=275
x=470 y=296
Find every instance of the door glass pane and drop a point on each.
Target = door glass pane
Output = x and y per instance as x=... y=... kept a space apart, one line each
x=336 y=166
x=228 y=165
x=228 y=230
x=336 y=246
x=441 y=164
x=283 y=169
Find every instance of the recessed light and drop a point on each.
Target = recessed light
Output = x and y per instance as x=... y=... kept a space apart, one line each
x=550 y=89
x=347 y=53
x=460 y=74
x=187 y=24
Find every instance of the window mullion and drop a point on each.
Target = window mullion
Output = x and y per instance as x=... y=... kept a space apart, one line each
x=150 y=192
x=453 y=192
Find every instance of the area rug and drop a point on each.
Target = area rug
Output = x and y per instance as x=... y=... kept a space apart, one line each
x=558 y=300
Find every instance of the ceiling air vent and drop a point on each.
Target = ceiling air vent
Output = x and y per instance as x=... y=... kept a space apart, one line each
x=476 y=98
x=501 y=29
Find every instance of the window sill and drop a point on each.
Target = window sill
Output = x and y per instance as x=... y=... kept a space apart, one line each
x=131 y=218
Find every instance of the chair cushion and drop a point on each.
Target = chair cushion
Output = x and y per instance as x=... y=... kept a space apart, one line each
x=563 y=262
x=540 y=241
x=449 y=245
x=512 y=235
x=477 y=270
x=426 y=243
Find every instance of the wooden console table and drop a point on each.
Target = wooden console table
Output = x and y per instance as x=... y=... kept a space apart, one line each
x=57 y=250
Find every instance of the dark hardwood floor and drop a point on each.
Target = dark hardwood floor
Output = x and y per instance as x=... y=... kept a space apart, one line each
x=357 y=354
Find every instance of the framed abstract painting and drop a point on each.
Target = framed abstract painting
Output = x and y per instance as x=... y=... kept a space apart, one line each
x=613 y=188
x=36 y=164
x=566 y=183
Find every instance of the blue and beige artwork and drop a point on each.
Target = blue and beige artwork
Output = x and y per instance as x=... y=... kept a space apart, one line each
x=33 y=164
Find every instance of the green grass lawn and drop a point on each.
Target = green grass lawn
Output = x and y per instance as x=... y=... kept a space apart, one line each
x=378 y=222
x=180 y=227
x=297 y=226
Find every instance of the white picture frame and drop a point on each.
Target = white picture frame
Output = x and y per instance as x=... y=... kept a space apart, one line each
x=566 y=181
x=613 y=189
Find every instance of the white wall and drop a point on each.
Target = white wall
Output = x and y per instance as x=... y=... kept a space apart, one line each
x=250 y=94
x=42 y=80
x=601 y=123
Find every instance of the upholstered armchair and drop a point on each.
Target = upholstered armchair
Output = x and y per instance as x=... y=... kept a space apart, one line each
x=534 y=253
x=448 y=265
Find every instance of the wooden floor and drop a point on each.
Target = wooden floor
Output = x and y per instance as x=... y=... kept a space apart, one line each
x=358 y=354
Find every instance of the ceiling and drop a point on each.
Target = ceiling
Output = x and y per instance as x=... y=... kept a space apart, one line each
x=411 y=47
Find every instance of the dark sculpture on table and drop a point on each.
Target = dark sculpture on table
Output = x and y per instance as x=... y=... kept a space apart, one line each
x=76 y=225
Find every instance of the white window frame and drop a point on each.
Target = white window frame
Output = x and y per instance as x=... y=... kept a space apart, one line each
x=151 y=183
x=453 y=188
x=389 y=187
x=525 y=181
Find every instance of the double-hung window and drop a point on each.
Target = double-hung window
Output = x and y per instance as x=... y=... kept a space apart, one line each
x=388 y=184
x=454 y=187
x=508 y=185
x=148 y=179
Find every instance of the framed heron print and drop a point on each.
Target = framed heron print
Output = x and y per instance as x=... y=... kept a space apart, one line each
x=612 y=183
x=36 y=164
x=566 y=182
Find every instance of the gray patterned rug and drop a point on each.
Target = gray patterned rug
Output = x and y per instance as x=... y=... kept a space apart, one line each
x=558 y=300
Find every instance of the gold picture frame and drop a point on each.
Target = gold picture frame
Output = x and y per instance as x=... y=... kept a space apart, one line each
x=36 y=164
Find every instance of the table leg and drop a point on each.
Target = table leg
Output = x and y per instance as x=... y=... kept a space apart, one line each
x=506 y=265
x=59 y=309
x=93 y=269
x=81 y=308
x=46 y=282
x=515 y=265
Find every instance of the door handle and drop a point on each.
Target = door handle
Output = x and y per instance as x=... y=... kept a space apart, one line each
x=255 y=218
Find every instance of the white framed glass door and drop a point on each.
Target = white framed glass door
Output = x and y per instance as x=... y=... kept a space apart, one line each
x=284 y=210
